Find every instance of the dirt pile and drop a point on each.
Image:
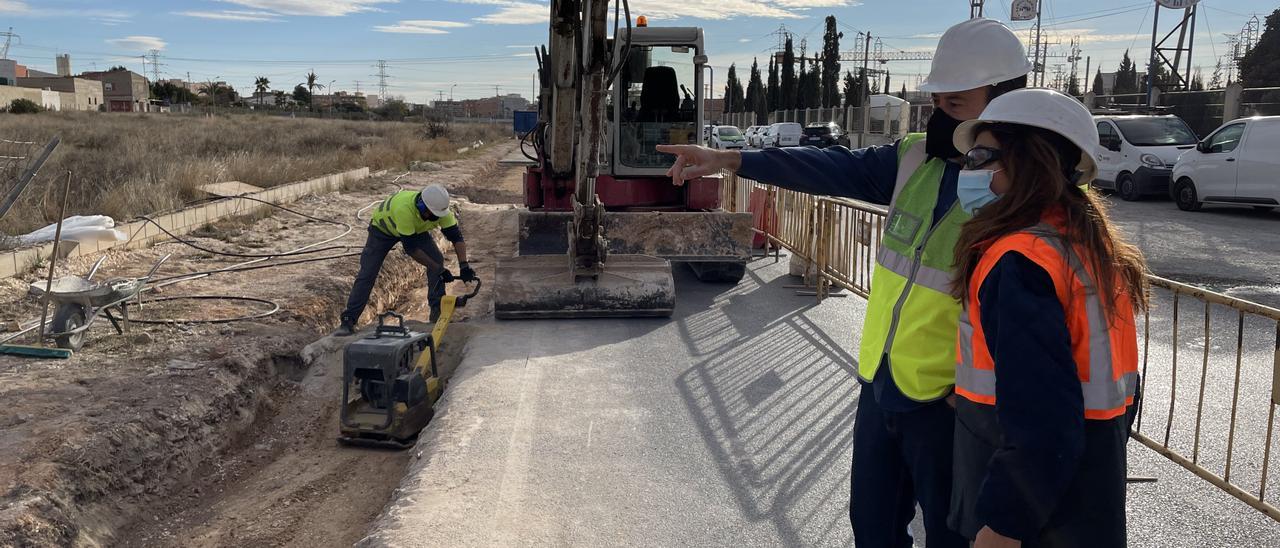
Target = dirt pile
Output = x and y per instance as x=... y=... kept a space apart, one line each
x=207 y=435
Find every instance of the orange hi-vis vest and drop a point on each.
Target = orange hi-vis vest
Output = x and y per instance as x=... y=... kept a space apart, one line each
x=1105 y=349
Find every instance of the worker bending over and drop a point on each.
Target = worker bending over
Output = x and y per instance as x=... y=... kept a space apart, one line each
x=1048 y=349
x=408 y=217
x=903 y=430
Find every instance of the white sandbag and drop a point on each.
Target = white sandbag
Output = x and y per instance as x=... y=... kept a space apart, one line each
x=79 y=228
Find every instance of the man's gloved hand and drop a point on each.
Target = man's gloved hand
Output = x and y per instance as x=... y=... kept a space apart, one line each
x=467 y=274
x=447 y=276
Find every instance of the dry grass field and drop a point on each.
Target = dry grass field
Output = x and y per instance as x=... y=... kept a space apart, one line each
x=124 y=165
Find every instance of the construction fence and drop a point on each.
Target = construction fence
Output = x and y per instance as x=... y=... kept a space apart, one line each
x=1192 y=338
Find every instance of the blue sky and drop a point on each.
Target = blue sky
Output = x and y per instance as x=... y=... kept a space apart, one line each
x=467 y=47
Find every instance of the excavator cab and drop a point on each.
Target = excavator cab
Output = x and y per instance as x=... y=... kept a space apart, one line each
x=658 y=77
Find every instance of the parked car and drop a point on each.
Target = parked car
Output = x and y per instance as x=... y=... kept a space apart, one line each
x=1138 y=153
x=752 y=135
x=823 y=135
x=782 y=134
x=1236 y=164
x=727 y=137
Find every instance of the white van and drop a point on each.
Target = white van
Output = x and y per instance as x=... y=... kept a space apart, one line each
x=1236 y=164
x=1138 y=153
x=782 y=134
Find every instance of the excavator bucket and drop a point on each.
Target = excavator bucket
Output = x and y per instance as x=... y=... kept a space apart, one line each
x=541 y=286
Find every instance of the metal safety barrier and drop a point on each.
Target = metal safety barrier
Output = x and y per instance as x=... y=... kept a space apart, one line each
x=1231 y=430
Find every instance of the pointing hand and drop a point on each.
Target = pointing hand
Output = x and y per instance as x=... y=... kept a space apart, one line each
x=693 y=161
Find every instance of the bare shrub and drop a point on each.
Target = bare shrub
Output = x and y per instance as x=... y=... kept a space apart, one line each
x=124 y=165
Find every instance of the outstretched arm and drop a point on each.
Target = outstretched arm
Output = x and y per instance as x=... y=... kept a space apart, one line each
x=867 y=174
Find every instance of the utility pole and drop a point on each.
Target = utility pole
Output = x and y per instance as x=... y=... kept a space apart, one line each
x=155 y=66
x=357 y=86
x=382 y=78
x=8 y=39
x=866 y=58
x=1036 y=67
x=1074 y=59
x=496 y=92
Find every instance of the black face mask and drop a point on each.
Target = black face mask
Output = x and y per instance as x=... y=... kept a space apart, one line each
x=938 y=141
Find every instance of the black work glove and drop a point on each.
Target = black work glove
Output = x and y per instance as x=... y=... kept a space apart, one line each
x=446 y=276
x=467 y=273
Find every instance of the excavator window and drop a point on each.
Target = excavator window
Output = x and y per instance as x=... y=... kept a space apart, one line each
x=657 y=87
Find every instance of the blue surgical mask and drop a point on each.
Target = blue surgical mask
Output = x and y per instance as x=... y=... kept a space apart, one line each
x=973 y=189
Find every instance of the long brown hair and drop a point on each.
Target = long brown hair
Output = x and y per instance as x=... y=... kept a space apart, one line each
x=1038 y=162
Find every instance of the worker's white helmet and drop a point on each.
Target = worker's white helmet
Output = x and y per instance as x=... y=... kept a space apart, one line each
x=976 y=53
x=436 y=199
x=1045 y=109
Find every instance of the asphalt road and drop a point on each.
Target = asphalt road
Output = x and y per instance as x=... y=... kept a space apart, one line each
x=1226 y=248
x=731 y=425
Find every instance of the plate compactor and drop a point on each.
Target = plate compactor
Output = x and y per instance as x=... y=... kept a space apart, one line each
x=391 y=380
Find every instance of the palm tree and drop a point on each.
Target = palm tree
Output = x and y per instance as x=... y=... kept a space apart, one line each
x=214 y=91
x=312 y=84
x=261 y=84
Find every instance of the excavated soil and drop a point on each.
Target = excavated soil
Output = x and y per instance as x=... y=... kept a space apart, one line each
x=222 y=434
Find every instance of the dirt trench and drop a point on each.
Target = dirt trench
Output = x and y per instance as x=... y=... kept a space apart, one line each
x=219 y=435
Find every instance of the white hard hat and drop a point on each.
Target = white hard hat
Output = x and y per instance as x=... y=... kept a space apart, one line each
x=436 y=199
x=1045 y=109
x=976 y=53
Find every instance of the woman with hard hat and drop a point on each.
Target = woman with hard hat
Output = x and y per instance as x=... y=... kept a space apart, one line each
x=1047 y=349
x=906 y=367
x=408 y=217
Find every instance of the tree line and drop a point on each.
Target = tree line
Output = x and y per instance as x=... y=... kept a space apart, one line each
x=795 y=80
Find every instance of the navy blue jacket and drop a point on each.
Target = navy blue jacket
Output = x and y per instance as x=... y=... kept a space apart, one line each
x=1032 y=467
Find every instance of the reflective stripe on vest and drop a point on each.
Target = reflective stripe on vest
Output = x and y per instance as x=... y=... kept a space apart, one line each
x=911 y=299
x=1109 y=380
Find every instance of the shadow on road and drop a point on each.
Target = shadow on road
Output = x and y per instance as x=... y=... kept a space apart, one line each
x=773 y=396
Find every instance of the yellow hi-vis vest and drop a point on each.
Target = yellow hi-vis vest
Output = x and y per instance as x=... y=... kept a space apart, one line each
x=398 y=216
x=912 y=319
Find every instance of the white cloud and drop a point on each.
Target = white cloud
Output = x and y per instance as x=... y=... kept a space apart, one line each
x=514 y=13
x=138 y=43
x=807 y=4
x=326 y=8
x=521 y=47
x=1086 y=36
x=22 y=8
x=522 y=12
x=233 y=15
x=743 y=40
x=420 y=26
x=14 y=6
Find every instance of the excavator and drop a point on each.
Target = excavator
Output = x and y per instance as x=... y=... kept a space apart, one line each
x=603 y=222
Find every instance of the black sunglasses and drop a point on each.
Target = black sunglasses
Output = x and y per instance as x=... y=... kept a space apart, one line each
x=980 y=156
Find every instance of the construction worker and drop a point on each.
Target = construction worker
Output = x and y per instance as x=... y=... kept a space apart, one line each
x=408 y=217
x=1048 y=347
x=903 y=429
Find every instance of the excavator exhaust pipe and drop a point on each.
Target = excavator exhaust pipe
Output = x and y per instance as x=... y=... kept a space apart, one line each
x=542 y=286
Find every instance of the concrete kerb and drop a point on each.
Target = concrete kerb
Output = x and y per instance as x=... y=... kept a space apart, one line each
x=140 y=234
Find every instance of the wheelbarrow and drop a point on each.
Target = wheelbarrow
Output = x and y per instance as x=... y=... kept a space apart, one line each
x=79 y=301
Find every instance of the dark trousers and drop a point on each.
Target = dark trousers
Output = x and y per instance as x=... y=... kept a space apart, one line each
x=375 y=252
x=900 y=459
